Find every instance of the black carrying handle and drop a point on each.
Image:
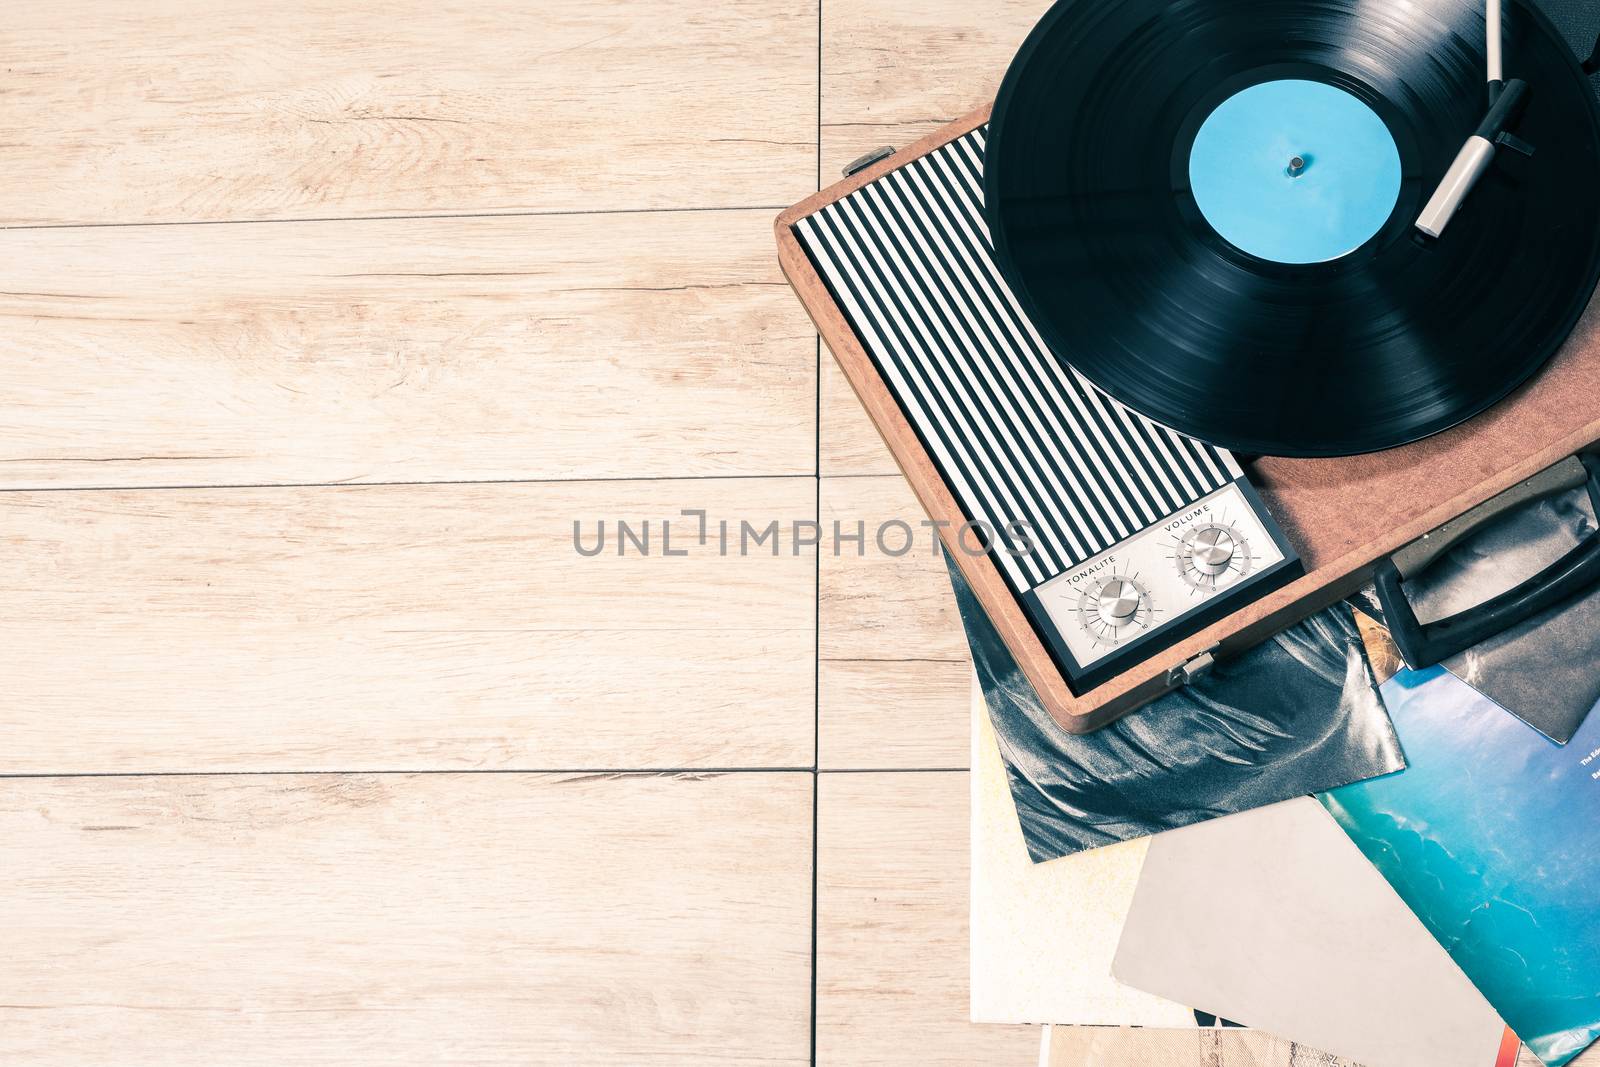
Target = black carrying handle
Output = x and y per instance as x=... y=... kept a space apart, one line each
x=1425 y=645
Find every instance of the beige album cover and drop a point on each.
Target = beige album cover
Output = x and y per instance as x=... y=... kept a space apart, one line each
x=1274 y=918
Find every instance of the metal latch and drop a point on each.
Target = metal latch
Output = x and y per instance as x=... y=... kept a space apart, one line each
x=861 y=163
x=1190 y=669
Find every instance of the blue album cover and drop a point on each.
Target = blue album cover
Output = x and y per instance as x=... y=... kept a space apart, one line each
x=1492 y=836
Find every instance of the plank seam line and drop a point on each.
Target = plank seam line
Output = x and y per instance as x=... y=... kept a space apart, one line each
x=564 y=213
x=642 y=772
x=184 y=487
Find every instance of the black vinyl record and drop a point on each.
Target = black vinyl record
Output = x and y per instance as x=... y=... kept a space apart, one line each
x=1094 y=221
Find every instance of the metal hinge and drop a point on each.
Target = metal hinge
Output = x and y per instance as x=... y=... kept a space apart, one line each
x=861 y=163
x=1190 y=669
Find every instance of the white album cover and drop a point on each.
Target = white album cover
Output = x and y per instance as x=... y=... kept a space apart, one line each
x=1043 y=935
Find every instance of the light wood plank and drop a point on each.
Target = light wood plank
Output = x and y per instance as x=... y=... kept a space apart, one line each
x=401 y=627
x=183 y=111
x=895 y=70
x=890 y=713
x=1114 y=1046
x=894 y=671
x=330 y=919
x=1111 y=1046
x=892 y=926
x=850 y=445
x=403 y=350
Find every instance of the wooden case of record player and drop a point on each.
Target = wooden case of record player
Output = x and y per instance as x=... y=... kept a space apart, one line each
x=1343 y=515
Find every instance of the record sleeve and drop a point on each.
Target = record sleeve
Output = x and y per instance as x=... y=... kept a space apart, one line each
x=1492 y=837
x=1275 y=919
x=1294 y=715
x=1542 y=670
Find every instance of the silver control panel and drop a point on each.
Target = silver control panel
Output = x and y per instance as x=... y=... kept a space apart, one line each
x=1159 y=575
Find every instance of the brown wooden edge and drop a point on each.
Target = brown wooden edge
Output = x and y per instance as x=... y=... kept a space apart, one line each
x=912 y=459
x=1325 y=583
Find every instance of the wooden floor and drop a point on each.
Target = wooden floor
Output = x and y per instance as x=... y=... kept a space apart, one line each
x=323 y=324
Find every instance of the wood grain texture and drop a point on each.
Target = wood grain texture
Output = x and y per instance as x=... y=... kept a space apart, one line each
x=896 y=70
x=186 y=111
x=400 y=628
x=850 y=446
x=892 y=926
x=1109 y=1046
x=331 y=919
x=597 y=346
x=894 y=672
x=1114 y=1046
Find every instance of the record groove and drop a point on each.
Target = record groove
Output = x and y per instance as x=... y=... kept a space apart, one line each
x=1087 y=189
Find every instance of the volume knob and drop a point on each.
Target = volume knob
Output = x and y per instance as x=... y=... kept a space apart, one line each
x=1212 y=556
x=1212 y=550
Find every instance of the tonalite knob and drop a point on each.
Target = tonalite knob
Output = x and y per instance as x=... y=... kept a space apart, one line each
x=1119 y=601
x=1212 y=550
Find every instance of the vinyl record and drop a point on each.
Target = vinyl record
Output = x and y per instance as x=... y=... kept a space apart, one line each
x=1207 y=208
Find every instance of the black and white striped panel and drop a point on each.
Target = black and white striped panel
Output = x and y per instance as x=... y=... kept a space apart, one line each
x=1018 y=436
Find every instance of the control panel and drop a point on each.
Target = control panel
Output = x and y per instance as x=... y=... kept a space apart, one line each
x=1159 y=575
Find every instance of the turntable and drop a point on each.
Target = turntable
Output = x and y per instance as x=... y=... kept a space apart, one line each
x=1222 y=306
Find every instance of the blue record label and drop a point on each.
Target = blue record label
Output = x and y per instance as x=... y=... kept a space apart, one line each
x=1295 y=171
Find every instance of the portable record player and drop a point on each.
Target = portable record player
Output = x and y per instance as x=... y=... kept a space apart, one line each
x=1256 y=227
